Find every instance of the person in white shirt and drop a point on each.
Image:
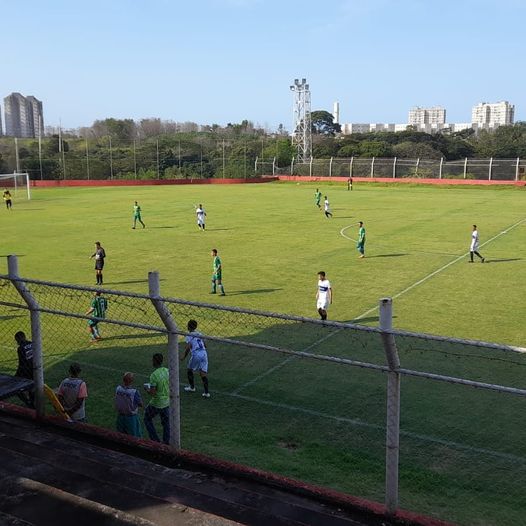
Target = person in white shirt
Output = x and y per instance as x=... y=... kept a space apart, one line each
x=474 y=245
x=200 y=211
x=327 y=208
x=323 y=295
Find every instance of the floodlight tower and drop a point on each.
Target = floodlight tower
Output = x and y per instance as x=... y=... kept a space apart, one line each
x=302 y=134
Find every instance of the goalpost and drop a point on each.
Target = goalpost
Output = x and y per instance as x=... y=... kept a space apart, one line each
x=17 y=181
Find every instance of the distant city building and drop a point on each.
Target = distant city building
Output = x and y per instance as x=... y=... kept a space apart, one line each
x=422 y=116
x=1 y=129
x=336 y=113
x=493 y=115
x=23 y=116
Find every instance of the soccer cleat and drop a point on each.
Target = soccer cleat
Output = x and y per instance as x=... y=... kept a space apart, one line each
x=205 y=395
x=212 y=292
x=482 y=260
x=189 y=389
x=133 y=228
x=223 y=294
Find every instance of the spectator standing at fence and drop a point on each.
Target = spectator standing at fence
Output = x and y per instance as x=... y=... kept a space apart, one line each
x=317 y=197
x=217 y=273
x=198 y=362
x=360 y=244
x=158 y=389
x=327 y=208
x=72 y=394
x=137 y=215
x=473 y=249
x=8 y=199
x=323 y=295
x=127 y=403
x=200 y=212
x=99 y=255
x=98 y=308
x=25 y=366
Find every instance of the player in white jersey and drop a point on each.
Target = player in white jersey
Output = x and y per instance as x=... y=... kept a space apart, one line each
x=327 y=208
x=323 y=295
x=195 y=346
x=474 y=245
x=200 y=211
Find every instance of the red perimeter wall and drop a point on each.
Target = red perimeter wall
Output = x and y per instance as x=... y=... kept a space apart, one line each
x=266 y=179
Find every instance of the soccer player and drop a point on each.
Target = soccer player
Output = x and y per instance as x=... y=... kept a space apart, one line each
x=137 y=215
x=98 y=309
x=360 y=245
x=323 y=295
x=217 y=273
x=159 y=390
x=317 y=197
x=25 y=366
x=474 y=245
x=127 y=403
x=99 y=256
x=349 y=183
x=195 y=346
x=200 y=211
x=327 y=208
x=7 y=199
x=72 y=394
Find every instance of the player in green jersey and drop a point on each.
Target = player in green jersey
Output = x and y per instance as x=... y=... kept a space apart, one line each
x=216 y=274
x=137 y=215
x=97 y=309
x=360 y=245
x=317 y=197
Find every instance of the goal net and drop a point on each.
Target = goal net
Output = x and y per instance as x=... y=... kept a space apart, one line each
x=16 y=183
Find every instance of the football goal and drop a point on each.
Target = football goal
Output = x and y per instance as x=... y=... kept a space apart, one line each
x=18 y=182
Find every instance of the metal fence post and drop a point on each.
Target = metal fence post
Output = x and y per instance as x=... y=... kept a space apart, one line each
x=394 y=168
x=392 y=448
x=36 y=334
x=330 y=167
x=417 y=166
x=173 y=358
x=274 y=166
x=372 y=167
x=292 y=166
x=310 y=167
x=465 y=167
x=351 y=166
x=490 y=168
x=256 y=165
x=517 y=169
x=440 y=167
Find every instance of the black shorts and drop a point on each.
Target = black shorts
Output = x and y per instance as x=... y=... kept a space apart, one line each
x=99 y=264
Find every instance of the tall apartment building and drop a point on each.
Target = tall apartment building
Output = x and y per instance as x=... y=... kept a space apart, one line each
x=421 y=116
x=1 y=129
x=23 y=116
x=493 y=115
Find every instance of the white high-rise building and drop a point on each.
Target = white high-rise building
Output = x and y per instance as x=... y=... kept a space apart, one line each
x=1 y=129
x=23 y=116
x=420 y=116
x=493 y=115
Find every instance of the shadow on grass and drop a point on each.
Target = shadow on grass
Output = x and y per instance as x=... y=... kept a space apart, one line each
x=151 y=227
x=502 y=260
x=254 y=291
x=387 y=256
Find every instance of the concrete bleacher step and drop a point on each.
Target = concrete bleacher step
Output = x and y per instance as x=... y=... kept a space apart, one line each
x=114 y=479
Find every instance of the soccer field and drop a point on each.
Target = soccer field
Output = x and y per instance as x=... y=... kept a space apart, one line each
x=273 y=240
x=462 y=454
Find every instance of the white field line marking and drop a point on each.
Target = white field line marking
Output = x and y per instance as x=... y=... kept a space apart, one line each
x=373 y=309
x=352 y=421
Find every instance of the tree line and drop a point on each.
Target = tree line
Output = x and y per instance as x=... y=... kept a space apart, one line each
x=153 y=148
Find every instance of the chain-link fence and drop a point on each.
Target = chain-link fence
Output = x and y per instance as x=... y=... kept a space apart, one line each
x=168 y=158
x=429 y=424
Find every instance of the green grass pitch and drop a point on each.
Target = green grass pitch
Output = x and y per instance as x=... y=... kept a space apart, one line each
x=310 y=420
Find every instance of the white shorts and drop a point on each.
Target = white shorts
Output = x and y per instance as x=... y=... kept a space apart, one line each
x=322 y=304
x=198 y=361
x=474 y=247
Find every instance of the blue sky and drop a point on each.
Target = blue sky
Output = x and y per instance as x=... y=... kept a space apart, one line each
x=220 y=61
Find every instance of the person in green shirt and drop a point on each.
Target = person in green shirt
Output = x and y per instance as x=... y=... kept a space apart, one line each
x=317 y=197
x=97 y=309
x=217 y=271
x=360 y=245
x=137 y=215
x=159 y=390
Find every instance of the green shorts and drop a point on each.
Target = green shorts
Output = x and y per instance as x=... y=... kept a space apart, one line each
x=216 y=276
